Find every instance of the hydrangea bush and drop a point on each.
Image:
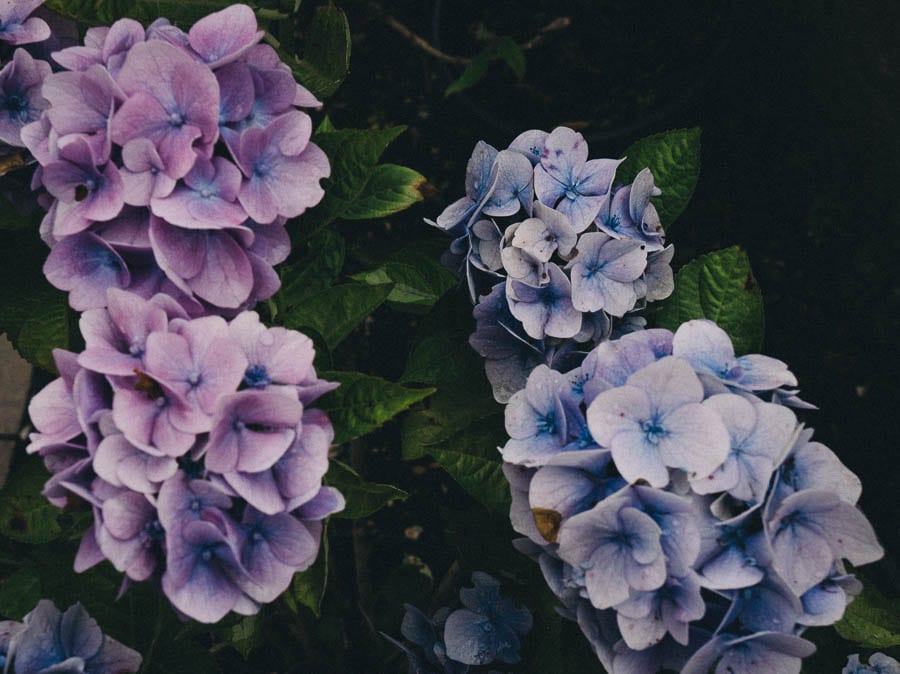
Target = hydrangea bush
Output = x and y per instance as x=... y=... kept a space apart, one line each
x=226 y=312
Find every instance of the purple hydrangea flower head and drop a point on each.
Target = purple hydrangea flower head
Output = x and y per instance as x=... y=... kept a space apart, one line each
x=17 y=27
x=192 y=441
x=49 y=641
x=195 y=132
x=21 y=101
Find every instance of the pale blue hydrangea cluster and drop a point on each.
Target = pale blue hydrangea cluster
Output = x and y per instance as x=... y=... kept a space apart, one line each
x=485 y=631
x=48 y=641
x=677 y=507
x=562 y=256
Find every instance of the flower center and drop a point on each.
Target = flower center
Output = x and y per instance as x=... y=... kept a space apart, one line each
x=256 y=376
x=653 y=431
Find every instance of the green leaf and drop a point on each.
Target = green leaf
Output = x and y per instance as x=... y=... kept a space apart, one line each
x=482 y=478
x=511 y=54
x=363 y=498
x=390 y=189
x=316 y=271
x=243 y=635
x=674 y=159
x=19 y=593
x=334 y=312
x=353 y=154
x=32 y=313
x=420 y=281
x=308 y=587
x=472 y=75
x=326 y=53
x=719 y=286
x=363 y=403
x=25 y=514
x=93 y=12
x=871 y=620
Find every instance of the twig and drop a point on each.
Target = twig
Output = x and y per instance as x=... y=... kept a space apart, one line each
x=557 y=24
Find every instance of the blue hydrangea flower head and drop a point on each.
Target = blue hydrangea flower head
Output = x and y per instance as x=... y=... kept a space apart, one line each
x=879 y=663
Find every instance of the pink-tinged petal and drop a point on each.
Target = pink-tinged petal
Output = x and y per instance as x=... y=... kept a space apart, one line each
x=89 y=553
x=179 y=252
x=226 y=278
x=259 y=490
x=224 y=36
x=78 y=57
x=86 y=266
x=299 y=472
x=52 y=411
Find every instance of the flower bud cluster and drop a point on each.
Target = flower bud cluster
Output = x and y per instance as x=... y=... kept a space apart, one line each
x=173 y=160
x=677 y=507
x=194 y=443
x=485 y=631
x=564 y=254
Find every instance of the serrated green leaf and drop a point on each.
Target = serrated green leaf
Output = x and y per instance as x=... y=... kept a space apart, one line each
x=363 y=403
x=420 y=281
x=308 y=587
x=314 y=272
x=363 y=498
x=475 y=71
x=390 y=189
x=45 y=329
x=719 y=286
x=674 y=159
x=511 y=54
x=334 y=312
x=25 y=514
x=19 y=593
x=871 y=620
x=353 y=154
x=482 y=478
x=326 y=53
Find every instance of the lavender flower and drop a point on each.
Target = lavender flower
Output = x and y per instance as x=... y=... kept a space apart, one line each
x=17 y=27
x=21 y=101
x=48 y=641
x=193 y=443
x=571 y=282
x=198 y=133
x=879 y=663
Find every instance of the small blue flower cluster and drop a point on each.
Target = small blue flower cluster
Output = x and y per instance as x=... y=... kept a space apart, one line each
x=879 y=663
x=564 y=255
x=677 y=507
x=48 y=641
x=485 y=631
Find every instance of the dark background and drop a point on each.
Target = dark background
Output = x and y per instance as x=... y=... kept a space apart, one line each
x=800 y=145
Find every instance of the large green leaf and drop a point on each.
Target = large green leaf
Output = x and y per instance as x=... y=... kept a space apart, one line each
x=334 y=312
x=389 y=189
x=363 y=403
x=326 y=53
x=308 y=587
x=353 y=154
x=314 y=272
x=674 y=159
x=719 y=286
x=19 y=593
x=363 y=498
x=419 y=280
x=474 y=72
x=871 y=620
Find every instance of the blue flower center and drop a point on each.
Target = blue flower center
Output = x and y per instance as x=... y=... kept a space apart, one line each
x=546 y=424
x=237 y=425
x=17 y=108
x=195 y=504
x=612 y=222
x=571 y=193
x=261 y=168
x=206 y=555
x=653 y=431
x=136 y=348
x=256 y=376
x=176 y=119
